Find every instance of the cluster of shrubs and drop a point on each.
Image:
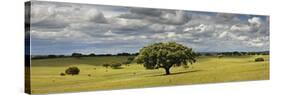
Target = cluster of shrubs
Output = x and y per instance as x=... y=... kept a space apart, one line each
x=116 y=66
x=220 y=56
x=113 y=66
x=76 y=70
x=71 y=71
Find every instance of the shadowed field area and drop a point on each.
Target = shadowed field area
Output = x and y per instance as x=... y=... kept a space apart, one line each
x=46 y=78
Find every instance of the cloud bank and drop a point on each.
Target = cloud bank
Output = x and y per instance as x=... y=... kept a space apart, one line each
x=64 y=28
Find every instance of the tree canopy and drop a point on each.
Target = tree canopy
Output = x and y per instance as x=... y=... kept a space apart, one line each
x=165 y=55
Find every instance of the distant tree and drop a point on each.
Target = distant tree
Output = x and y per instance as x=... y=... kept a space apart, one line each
x=51 y=56
x=236 y=53
x=92 y=54
x=124 y=54
x=77 y=55
x=60 y=56
x=265 y=53
x=165 y=55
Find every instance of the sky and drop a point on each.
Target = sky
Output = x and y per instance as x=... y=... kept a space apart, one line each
x=64 y=28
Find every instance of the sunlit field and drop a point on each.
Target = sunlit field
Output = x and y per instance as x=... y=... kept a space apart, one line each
x=46 y=78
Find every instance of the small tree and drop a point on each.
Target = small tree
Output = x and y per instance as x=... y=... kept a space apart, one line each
x=51 y=56
x=77 y=55
x=165 y=55
x=92 y=54
x=220 y=56
x=236 y=53
x=124 y=54
x=72 y=71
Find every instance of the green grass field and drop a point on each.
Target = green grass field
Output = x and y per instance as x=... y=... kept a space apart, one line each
x=45 y=73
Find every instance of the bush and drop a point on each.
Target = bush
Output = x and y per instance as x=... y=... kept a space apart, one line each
x=62 y=74
x=105 y=65
x=259 y=59
x=220 y=56
x=116 y=66
x=72 y=71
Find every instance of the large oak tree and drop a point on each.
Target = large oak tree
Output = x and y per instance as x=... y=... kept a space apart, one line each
x=165 y=55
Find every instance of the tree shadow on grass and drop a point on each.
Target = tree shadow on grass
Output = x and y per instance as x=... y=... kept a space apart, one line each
x=183 y=72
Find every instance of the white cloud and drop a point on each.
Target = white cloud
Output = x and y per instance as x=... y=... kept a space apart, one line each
x=223 y=34
x=240 y=28
x=198 y=29
x=95 y=16
x=256 y=21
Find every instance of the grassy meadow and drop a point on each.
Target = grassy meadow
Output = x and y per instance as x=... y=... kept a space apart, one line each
x=46 y=78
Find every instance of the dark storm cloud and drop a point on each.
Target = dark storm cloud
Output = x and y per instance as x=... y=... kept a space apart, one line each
x=60 y=28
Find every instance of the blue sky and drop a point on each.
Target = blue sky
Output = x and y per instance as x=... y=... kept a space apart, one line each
x=64 y=28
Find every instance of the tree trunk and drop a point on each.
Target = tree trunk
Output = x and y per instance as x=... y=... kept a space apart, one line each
x=167 y=71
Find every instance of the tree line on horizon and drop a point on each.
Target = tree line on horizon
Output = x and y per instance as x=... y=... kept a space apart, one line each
x=234 y=53
x=79 y=55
